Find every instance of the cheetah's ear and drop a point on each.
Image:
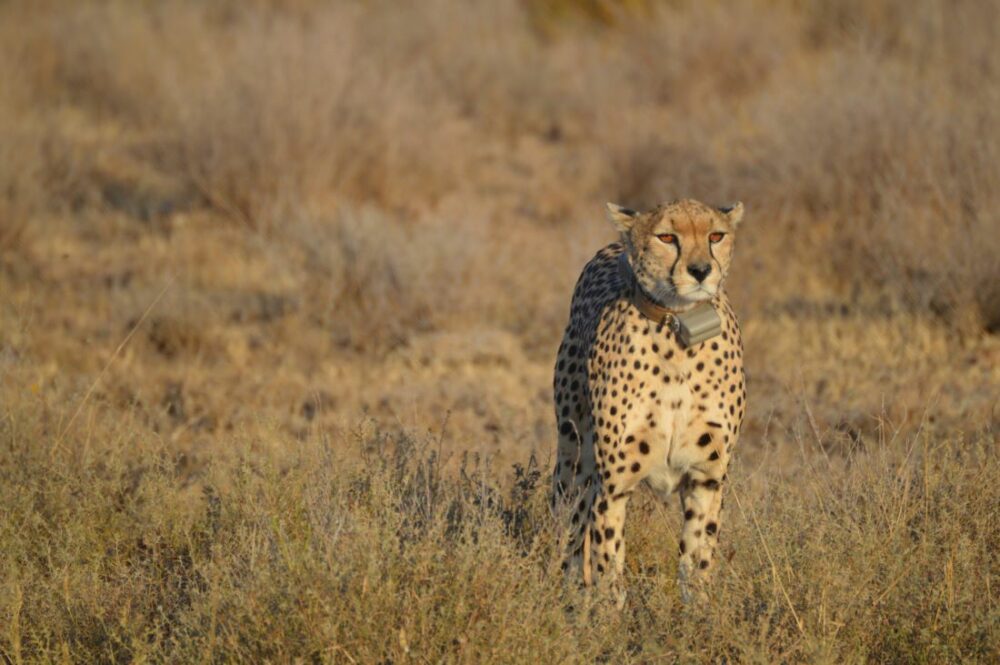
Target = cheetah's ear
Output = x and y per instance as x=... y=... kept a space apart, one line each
x=622 y=218
x=733 y=212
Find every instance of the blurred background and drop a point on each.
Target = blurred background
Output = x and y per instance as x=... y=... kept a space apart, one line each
x=322 y=216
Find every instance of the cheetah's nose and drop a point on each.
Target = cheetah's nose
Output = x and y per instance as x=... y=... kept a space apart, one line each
x=700 y=270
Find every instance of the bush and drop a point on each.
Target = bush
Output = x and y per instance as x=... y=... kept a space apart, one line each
x=365 y=549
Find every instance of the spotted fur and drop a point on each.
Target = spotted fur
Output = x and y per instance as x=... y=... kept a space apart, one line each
x=633 y=405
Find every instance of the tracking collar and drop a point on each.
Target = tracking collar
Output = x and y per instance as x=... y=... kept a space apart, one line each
x=692 y=326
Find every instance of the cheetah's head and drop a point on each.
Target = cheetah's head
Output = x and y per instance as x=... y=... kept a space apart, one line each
x=680 y=251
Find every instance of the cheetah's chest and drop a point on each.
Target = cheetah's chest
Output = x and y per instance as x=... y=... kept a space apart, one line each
x=643 y=380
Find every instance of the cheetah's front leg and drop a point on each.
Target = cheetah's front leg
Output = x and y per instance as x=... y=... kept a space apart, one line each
x=622 y=463
x=607 y=536
x=701 y=501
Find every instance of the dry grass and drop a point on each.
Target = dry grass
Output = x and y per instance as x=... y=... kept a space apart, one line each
x=365 y=221
x=360 y=550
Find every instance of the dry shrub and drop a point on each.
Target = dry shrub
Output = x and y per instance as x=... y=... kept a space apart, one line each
x=359 y=548
x=64 y=69
x=295 y=113
x=262 y=112
x=20 y=156
x=649 y=169
x=20 y=170
x=374 y=279
x=891 y=177
x=930 y=34
x=109 y=59
x=688 y=56
x=486 y=60
x=867 y=160
x=680 y=128
x=269 y=113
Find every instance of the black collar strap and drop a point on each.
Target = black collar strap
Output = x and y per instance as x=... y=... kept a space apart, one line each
x=649 y=308
x=691 y=326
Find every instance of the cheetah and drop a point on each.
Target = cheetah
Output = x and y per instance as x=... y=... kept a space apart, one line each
x=633 y=404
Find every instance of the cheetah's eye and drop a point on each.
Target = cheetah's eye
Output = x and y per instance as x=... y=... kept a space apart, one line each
x=716 y=237
x=668 y=238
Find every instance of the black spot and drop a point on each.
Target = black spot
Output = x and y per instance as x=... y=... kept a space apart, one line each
x=683 y=547
x=705 y=439
x=635 y=467
x=714 y=456
x=704 y=564
x=688 y=514
x=711 y=528
x=565 y=428
x=643 y=447
x=609 y=533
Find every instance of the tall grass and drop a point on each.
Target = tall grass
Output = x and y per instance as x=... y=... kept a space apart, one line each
x=362 y=550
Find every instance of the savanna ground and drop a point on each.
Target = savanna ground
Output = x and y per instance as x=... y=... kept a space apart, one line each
x=281 y=284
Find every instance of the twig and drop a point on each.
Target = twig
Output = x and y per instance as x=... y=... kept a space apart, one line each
x=892 y=585
x=774 y=567
x=815 y=431
x=107 y=365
